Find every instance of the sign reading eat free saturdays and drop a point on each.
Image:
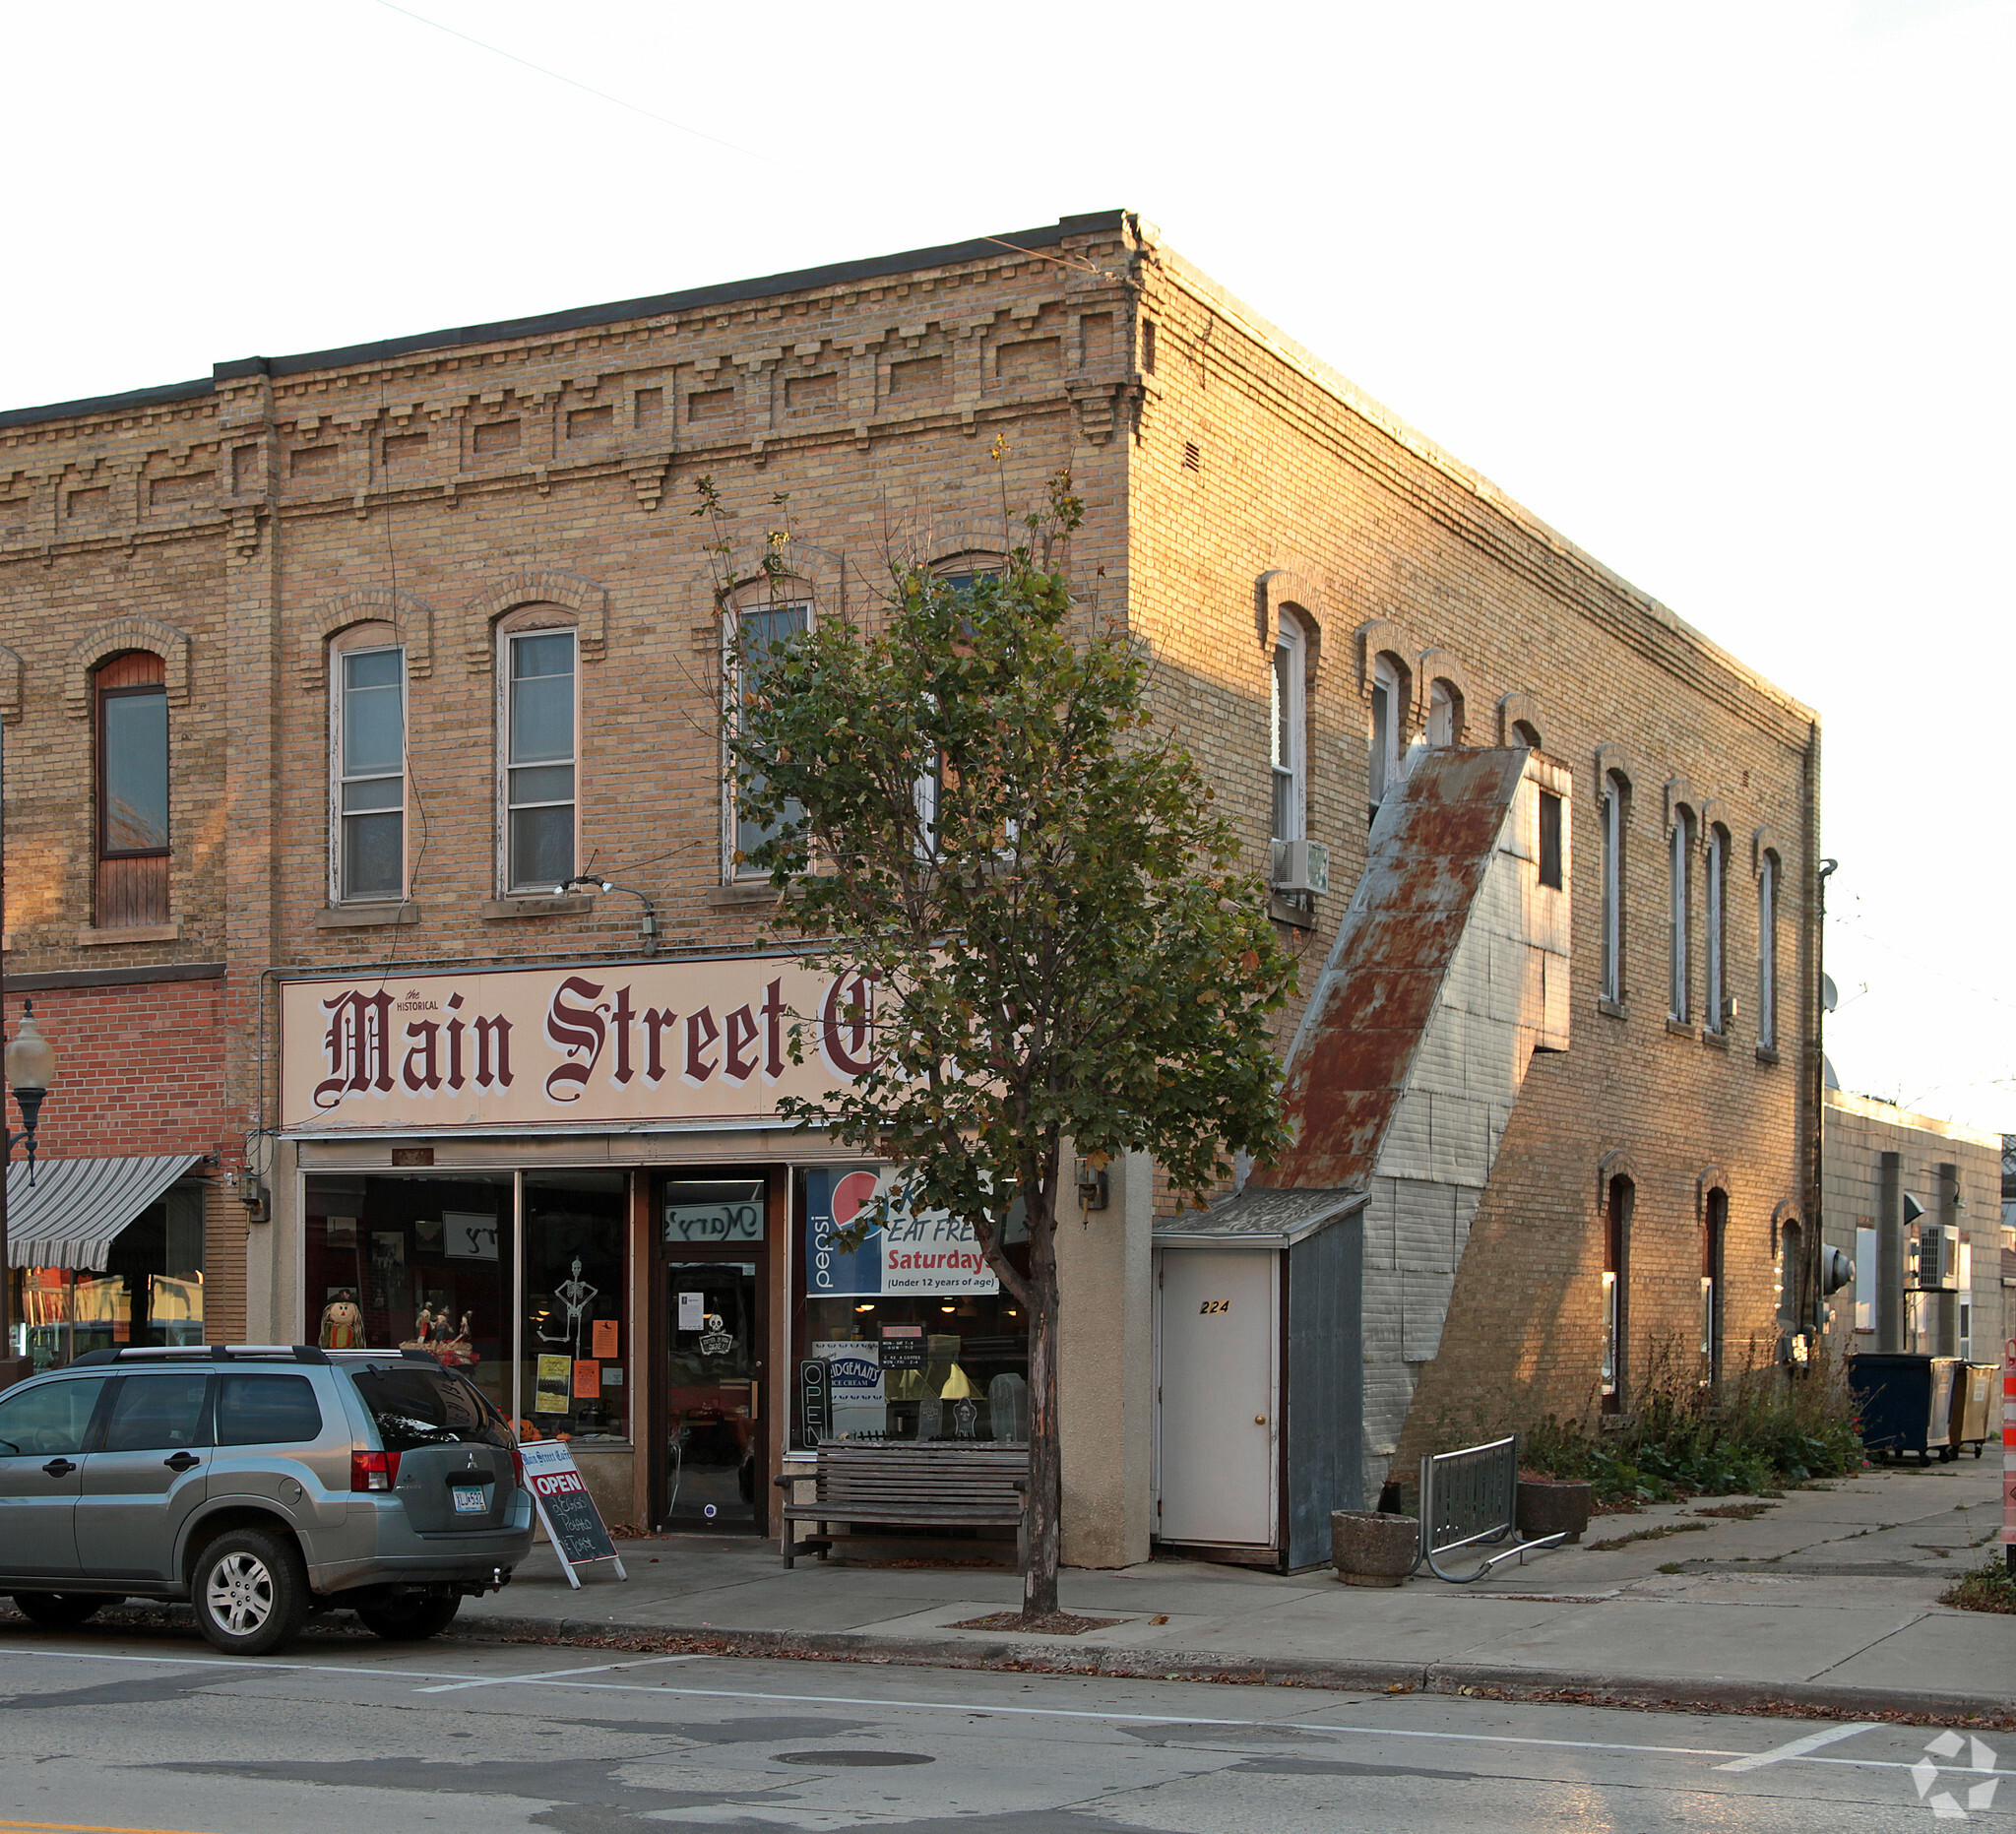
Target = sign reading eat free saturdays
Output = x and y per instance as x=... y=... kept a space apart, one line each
x=618 y=1043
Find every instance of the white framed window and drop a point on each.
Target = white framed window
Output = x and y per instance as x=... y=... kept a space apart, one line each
x=1389 y=731
x=367 y=775
x=1681 y=845
x=1445 y=713
x=538 y=754
x=1866 y=1285
x=1288 y=736
x=1611 y=814
x=1714 y=939
x=1767 y=952
x=758 y=626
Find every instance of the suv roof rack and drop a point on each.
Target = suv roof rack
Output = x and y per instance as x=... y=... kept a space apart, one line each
x=199 y=1352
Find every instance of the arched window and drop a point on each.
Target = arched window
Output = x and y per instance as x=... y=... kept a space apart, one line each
x=1524 y=732
x=1616 y=1259
x=767 y=615
x=132 y=888
x=1716 y=1007
x=1389 y=729
x=1767 y=952
x=368 y=723
x=1714 y=1233
x=1790 y=1260
x=1611 y=814
x=538 y=749
x=1288 y=731
x=1445 y=712
x=1680 y=845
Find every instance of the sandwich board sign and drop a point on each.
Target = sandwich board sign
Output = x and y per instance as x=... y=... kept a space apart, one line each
x=571 y=1522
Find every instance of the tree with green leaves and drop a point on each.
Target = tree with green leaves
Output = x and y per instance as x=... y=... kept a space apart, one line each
x=970 y=809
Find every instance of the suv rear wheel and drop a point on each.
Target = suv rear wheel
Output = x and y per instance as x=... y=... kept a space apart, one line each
x=250 y=1592
x=59 y=1611
x=412 y=1618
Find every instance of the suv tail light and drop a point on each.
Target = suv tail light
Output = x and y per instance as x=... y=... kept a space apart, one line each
x=373 y=1471
x=518 y=1464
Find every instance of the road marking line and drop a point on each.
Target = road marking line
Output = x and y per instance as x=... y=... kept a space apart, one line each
x=554 y=1674
x=86 y=1827
x=1798 y=1747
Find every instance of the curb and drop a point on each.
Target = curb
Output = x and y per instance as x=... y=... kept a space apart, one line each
x=1347 y=1675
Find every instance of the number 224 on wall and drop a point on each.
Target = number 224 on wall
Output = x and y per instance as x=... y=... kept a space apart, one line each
x=1216 y=1306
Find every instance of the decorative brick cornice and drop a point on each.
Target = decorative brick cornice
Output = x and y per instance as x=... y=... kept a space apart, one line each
x=1679 y=794
x=413 y=618
x=1614 y=761
x=1440 y=664
x=126 y=633
x=588 y=602
x=1619 y=1162
x=1376 y=637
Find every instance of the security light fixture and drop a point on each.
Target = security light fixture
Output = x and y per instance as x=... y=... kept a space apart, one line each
x=647 y=923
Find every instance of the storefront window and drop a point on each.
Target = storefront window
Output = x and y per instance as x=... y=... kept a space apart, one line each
x=919 y=1339
x=430 y=1261
x=416 y=1261
x=149 y=1291
x=571 y=1376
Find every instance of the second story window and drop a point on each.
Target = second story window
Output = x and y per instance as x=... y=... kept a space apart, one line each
x=1445 y=713
x=1389 y=731
x=1550 y=863
x=539 y=760
x=1610 y=812
x=371 y=775
x=1285 y=728
x=132 y=792
x=759 y=627
x=1679 y=1004
x=1715 y=1013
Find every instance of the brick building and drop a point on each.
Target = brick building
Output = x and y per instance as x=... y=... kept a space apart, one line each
x=434 y=634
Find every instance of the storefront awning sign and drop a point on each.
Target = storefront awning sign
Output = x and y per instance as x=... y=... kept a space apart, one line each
x=910 y=1252
x=620 y=1044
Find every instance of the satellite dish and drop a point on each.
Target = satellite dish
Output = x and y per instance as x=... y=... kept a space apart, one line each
x=1830 y=994
x=1828 y=1080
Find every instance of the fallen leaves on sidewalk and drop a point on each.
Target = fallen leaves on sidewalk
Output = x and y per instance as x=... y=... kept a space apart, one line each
x=1649 y=1534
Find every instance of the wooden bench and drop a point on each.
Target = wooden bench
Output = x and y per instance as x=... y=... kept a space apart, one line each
x=908 y=1487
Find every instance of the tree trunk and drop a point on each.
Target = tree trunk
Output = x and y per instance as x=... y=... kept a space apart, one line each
x=1046 y=1465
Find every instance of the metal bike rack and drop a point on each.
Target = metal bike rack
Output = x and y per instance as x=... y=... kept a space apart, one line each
x=1471 y=1498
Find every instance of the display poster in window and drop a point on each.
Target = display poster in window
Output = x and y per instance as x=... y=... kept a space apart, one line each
x=855 y=1390
x=571 y=1522
x=603 y=1333
x=468 y=1235
x=906 y=1253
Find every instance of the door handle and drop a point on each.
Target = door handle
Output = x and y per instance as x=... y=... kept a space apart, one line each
x=59 y=1468
x=1259 y=1420
x=182 y=1461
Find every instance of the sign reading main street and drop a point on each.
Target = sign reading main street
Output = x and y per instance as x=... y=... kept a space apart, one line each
x=619 y=1043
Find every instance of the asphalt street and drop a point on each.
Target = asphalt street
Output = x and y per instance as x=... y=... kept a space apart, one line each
x=152 y=1731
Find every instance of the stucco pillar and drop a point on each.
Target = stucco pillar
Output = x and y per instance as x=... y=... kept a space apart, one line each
x=1105 y=1276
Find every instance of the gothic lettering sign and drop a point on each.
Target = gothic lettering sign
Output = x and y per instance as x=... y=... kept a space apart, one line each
x=621 y=1045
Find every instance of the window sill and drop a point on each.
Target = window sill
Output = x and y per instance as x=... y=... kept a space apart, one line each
x=741 y=897
x=1681 y=1027
x=1286 y=910
x=361 y=917
x=569 y=904
x=1766 y=1054
x=131 y=933
x=1716 y=1041
x=1612 y=1009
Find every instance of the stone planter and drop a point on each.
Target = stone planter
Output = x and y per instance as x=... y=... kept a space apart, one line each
x=1371 y=1550
x=1553 y=1507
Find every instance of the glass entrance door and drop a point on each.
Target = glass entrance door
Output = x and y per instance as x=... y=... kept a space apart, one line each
x=714 y=1443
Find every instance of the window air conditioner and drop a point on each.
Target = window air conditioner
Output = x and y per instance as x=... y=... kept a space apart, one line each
x=1302 y=867
x=1936 y=1257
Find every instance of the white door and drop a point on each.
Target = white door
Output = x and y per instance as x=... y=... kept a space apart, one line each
x=1216 y=1425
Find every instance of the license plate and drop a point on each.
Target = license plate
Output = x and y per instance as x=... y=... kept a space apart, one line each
x=469 y=1499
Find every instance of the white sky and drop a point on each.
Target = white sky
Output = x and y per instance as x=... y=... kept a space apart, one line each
x=1722 y=291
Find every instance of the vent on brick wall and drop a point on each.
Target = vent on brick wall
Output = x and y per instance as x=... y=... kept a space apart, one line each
x=1193 y=459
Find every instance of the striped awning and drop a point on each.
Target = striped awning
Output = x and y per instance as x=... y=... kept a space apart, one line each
x=78 y=1205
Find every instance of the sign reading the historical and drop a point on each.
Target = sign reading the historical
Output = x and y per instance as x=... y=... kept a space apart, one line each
x=572 y=1521
x=626 y=1042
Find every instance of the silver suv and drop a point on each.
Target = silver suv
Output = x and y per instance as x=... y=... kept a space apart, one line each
x=260 y=1483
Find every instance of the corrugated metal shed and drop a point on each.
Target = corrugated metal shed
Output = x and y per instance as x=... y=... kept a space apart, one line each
x=75 y=1208
x=1258 y=1218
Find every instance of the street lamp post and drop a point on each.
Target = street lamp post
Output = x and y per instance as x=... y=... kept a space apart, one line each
x=30 y=1067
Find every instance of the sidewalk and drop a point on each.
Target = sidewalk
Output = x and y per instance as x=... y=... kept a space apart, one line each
x=1825 y=1600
